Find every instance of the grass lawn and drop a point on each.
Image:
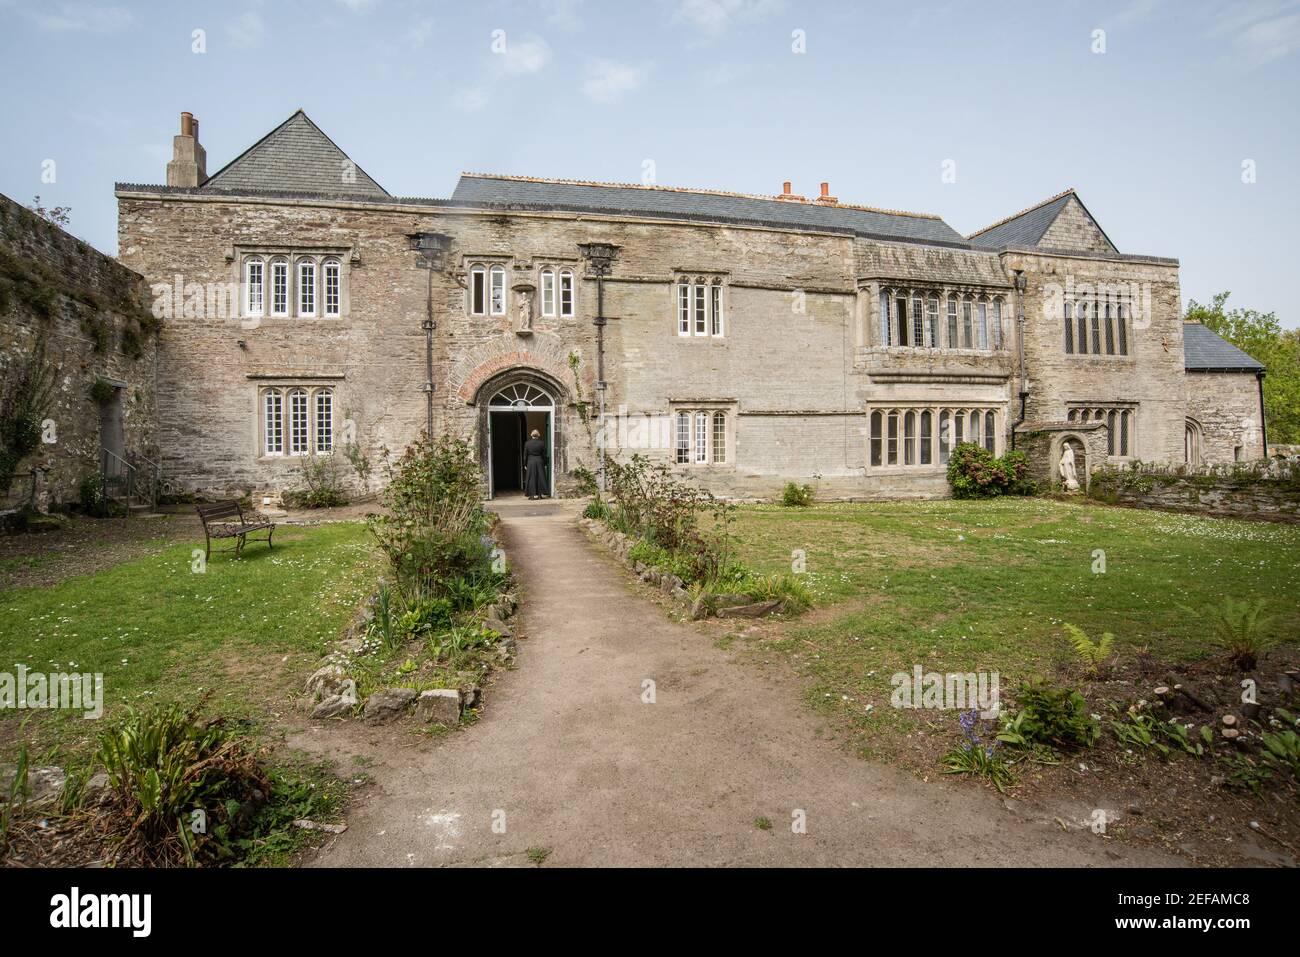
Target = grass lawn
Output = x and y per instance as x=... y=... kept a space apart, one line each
x=985 y=586
x=248 y=630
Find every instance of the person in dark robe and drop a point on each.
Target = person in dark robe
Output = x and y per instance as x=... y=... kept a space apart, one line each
x=535 y=466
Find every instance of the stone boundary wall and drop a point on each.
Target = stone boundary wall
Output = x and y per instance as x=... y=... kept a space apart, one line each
x=1267 y=492
x=90 y=313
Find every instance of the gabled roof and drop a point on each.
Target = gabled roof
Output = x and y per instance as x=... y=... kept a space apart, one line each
x=1204 y=350
x=1029 y=226
x=295 y=157
x=699 y=204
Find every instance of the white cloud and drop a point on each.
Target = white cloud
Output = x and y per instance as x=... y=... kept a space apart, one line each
x=84 y=17
x=246 y=31
x=563 y=13
x=608 y=81
x=1260 y=31
x=420 y=32
x=1135 y=12
x=358 y=6
x=525 y=56
x=715 y=16
x=469 y=99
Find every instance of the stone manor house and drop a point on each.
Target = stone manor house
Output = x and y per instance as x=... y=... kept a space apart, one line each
x=747 y=340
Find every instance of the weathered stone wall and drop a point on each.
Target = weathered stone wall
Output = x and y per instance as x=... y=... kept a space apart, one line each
x=1151 y=375
x=795 y=371
x=1224 y=407
x=90 y=312
x=1271 y=494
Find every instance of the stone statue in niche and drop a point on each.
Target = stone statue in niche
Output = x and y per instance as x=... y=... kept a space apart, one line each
x=524 y=310
x=1069 y=478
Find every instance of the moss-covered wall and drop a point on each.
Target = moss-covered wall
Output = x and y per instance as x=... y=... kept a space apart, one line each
x=90 y=315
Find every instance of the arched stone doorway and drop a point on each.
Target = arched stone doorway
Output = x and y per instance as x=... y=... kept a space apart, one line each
x=511 y=405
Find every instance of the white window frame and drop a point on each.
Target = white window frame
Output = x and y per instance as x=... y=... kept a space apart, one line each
x=281 y=287
x=478 y=278
x=718 y=451
x=716 y=310
x=546 y=281
x=568 y=294
x=255 y=288
x=699 y=309
x=307 y=291
x=322 y=403
x=684 y=299
x=497 y=304
x=331 y=273
x=682 y=438
x=292 y=395
x=273 y=422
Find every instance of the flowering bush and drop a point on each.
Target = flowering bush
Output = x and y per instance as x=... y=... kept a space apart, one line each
x=975 y=472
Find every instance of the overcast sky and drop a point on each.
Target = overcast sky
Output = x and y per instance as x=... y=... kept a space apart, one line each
x=1157 y=120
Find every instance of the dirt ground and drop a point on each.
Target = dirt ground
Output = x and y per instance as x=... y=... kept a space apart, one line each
x=579 y=760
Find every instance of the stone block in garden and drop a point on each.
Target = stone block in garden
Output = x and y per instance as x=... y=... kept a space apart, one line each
x=439 y=706
x=327 y=681
x=388 y=703
x=755 y=610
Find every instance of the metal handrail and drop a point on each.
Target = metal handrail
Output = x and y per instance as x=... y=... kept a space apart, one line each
x=125 y=470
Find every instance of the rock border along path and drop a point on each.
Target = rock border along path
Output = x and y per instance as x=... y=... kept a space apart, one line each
x=568 y=757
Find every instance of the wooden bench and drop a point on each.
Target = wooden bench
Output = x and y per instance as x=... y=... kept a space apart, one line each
x=213 y=527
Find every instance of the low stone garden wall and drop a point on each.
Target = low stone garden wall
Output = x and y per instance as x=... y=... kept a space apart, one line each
x=1268 y=491
x=332 y=692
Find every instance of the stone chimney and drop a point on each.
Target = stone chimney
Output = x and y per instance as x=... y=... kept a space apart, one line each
x=189 y=165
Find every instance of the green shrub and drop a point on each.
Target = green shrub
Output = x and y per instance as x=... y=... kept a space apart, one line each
x=598 y=510
x=166 y=763
x=91 y=494
x=975 y=472
x=795 y=495
x=1047 y=715
x=435 y=531
x=322 y=484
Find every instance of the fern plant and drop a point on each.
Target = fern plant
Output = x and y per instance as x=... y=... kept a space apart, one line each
x=1095 y=655
x=1242 y=630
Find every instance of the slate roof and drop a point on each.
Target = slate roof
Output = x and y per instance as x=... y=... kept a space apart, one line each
x=1204 y=350
x=705 y=205
x=1024 y=228
x=295 y=157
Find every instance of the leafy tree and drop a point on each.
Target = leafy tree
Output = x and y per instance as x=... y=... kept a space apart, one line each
x=1261 y=336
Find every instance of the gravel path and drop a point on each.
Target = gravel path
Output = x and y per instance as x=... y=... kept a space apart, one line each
x=572 y=762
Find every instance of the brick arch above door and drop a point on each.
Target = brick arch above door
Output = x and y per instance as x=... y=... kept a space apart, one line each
x=488 y=362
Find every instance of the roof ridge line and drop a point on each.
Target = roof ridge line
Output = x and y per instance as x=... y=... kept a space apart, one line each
x=1068 y=191
x=706 y=192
